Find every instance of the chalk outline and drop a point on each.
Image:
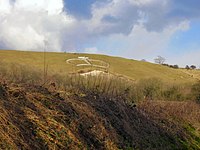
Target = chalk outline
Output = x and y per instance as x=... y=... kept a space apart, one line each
x=88 y=62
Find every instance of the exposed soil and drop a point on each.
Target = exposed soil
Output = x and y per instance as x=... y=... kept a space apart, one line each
x=34 y=117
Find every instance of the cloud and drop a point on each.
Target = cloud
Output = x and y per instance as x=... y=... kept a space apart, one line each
x=141 y=43
x=121 y=17
x=26 y=24
x=52 y=6
x=80 y=9
x=4 y=7
x=185 y=9
x=117 y=16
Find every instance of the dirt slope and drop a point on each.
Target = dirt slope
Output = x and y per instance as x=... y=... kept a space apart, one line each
x=34 y=117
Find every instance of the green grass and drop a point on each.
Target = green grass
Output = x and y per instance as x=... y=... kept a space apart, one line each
x=195 y=142
x=132 y=69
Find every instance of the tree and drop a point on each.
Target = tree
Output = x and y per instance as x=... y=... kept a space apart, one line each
x=187 y=67
x=159 y=60
x=143 y=60
x=193 y=67
x=175 y=66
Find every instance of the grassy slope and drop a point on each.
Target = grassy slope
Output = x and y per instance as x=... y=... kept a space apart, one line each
x=35 y=117
x=126 y=67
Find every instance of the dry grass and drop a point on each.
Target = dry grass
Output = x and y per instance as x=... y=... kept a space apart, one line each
x=186 y=114
x=19 y=73
x=41 y=119
x=97 y=112
x=188 y=111
x=108 y=85
x=132 y=69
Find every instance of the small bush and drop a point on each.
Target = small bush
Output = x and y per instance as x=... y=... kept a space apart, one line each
x=155 y=89
x=193 y=67
x=151 y=89
x=187 y=67
x=172 y=93
x=174 y=66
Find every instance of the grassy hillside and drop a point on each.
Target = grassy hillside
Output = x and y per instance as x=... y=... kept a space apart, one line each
x=121 y=66
x=69 y=111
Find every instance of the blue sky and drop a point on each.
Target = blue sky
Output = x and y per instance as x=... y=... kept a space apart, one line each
x=186 y=40
x=136 y=29
x=79 y=8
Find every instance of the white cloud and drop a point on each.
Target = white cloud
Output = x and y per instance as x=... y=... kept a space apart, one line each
x=26 y=24
x=117 y=16
x=141 y=43
x=52 y=6
x=4 y=7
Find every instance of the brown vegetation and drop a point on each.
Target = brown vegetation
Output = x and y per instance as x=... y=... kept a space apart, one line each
x=74 y=112
x=32 y=117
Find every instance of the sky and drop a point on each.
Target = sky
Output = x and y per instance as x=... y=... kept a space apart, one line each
x=135 y=29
